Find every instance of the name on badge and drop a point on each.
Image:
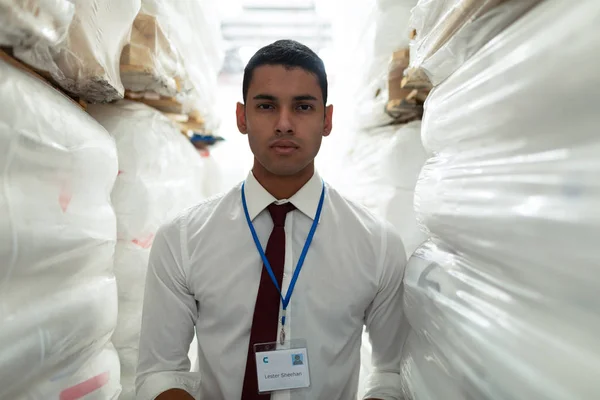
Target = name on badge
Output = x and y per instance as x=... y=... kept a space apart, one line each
x=282 y=370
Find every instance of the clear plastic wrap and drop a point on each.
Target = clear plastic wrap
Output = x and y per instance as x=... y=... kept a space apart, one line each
x=97 y=379
x=504 y=90
x=367 y=38
x=404 y=156
x=363 y=179
x=402 y=161
x=390 y=34
x=25 y=22
x=449 y=32
x=517 y=165
x=426 y=373
x=86 y=63
x=365 y=365
x=176 y=50
x=58 y=296
x=508 y=288
x=160 y=175
x=503 y=339
x=381 y=174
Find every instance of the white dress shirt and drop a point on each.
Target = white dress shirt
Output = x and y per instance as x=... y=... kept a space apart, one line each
x=205 y=270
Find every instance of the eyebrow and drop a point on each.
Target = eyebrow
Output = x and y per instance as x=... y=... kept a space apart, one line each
x=304 y=97
x=265 y=97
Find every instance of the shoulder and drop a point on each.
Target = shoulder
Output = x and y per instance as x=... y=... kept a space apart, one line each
x=365 y=225
x=197 y=215
x=354 y=212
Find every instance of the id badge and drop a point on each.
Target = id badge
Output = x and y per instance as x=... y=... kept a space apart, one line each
x=282 y=366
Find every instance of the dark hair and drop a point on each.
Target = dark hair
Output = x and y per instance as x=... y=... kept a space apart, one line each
x=290 y=54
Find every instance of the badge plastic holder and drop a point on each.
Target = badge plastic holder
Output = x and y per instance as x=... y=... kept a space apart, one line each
x=294 y=355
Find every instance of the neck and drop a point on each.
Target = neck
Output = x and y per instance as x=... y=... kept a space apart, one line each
x=282 y=187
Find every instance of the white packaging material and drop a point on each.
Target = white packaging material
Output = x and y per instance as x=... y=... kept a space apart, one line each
x=426 y=373
x=390 y=34
x=401 y=164
x=505 y=78
x=366 y=33
x=160 y=175
x=403 y=156
x=58 y=296
x=96 y=379
x=176 y=50
x=26 y=22
x=503 y=339
x=193 y=355
x=363 y=180
x=381 y=174
x=366 y=367
x=86 y=63
x=516 y=177
x=508 y=290
x=449 y=32
x=215 y=180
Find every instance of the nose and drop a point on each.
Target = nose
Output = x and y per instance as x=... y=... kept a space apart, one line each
x=284 y=122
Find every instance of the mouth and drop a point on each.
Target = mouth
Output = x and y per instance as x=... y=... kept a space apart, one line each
x=284 y=147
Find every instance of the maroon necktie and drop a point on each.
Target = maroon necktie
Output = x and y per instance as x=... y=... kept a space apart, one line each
x=268 y=300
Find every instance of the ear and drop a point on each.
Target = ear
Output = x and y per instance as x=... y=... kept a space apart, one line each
x=240 y=113
x=328 y=120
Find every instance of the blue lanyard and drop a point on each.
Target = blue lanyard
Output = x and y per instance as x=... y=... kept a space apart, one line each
x=285 y=301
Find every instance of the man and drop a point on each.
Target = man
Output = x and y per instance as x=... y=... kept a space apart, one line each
x=281 y=265
x=298 y=359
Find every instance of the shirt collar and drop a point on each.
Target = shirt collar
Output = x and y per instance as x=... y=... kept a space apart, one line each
x=306 y=199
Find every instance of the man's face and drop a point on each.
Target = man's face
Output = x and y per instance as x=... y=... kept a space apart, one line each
x=285 y=118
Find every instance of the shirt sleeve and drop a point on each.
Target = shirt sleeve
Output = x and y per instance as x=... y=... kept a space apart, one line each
x=168 y=319
x=386 y=323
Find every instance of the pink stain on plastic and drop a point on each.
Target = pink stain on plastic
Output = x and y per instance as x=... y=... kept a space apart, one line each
x=145 y=242
x=204 y=152
x=64 y=199
x=84 y=388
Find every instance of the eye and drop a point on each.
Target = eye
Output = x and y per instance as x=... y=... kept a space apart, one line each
x=265 y=106
x=305 y=107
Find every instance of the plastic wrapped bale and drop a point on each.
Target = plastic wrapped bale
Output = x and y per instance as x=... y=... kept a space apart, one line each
x=381 y=173
x=25 y=22
x=515 y=179
x=86 y=63
x=165 y=56
x=513 y=192
x=366 y=367
x=99 y=378
x=160 y=175
x=362 y=178
x=449 y=32
x=503 y=337
x=426 y=373
x=215 y=180
x=58 y=295
x=490 y=87
x=389 y=35
x=401 y=165
x=366 y=34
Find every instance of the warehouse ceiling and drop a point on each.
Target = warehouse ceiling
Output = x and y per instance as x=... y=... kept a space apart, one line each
x=257 y=23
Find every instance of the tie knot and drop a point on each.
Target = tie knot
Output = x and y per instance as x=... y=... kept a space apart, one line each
x=278 y=212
